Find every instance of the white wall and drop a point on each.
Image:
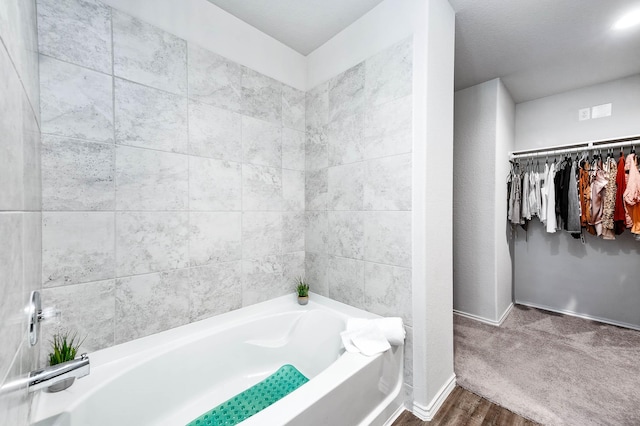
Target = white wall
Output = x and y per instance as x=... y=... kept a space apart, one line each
x=484 y=117
x=203 y=23
x=432 y=206
x=600 y=278
x=553 y=120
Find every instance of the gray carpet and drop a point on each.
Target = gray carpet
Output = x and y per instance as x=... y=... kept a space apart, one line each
x=551 y=368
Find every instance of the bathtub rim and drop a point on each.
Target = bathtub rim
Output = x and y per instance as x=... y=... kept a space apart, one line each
x=107 y=362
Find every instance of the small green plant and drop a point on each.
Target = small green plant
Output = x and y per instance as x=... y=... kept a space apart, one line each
x=301 y=287
x=65 y=346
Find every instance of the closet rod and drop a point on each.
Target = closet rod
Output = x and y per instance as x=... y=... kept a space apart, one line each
x=582 y=146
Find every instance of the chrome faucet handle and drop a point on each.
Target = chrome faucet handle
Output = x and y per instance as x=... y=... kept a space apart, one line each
x=37 y=315
x=34 y=310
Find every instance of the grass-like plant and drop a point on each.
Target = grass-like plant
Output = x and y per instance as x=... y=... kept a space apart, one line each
x=301 y=287
x=65 y=347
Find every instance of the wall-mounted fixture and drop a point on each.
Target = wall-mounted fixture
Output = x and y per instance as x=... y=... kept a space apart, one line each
x=37 y=315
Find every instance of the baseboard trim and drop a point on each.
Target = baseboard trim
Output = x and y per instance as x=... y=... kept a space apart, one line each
x=486 y=320
x=579 y=315
x=505 y=314
x=428 y=413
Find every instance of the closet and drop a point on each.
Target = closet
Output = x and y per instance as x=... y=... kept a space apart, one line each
x=576 y=240
x=496 y=263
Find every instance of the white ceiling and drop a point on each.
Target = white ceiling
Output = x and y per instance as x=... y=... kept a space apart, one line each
x=537 y=47
x=303 y=25
x=543 y=47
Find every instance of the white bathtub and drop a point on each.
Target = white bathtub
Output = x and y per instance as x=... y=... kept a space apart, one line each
x=173 y=377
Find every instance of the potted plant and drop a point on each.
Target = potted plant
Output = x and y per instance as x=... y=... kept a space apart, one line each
x=303 y=291
x=64 y=348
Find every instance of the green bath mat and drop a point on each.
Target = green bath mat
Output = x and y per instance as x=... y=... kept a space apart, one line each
x=255 y=399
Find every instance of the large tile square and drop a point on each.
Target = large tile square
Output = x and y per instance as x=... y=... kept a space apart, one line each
x=346 y=280
x=77 y=247
x=214 y=132
x=76 y=31
x=261 y=96
x=151 y=241
x=261 y=234
x=293 y=108
x=293 y=151
x=389 y=74
x=261 y=142
x=215 y=289
x=214 y=79
x=388 y=290
x=346 y=93
x=147 y=55
x=150 y=118
x=261 y=188
x=346 y=234
x=214 y=184
x=346 y=187
x=77 y=175
x=388 y=238
x=388 y=129
x=149 y=304
x=151 y=180
x=262 y=280
x=388 y=183
x=75 y=102
x=214 y=237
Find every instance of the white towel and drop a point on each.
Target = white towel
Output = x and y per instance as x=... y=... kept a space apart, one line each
x=372 y=337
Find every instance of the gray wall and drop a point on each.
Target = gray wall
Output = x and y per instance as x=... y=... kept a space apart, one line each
x=173 y=179
x=553 y=120
x=483 y=134
x=505 y=139
x=20 y=203
x=598 y=279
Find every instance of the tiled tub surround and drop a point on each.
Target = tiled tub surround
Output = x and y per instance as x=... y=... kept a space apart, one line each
x=173 y=178
x=20 y=197
x=178 y=185
x=358 y=186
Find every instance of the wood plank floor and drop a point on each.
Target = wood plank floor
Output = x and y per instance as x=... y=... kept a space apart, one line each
x=465 y=408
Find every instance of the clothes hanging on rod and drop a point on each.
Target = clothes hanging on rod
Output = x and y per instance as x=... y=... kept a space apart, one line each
x=632 y=194
x=620 y=212
x=576 y=194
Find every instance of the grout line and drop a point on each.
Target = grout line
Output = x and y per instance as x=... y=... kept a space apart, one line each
x=242 y=159
x=189 y=165
x=115 y=183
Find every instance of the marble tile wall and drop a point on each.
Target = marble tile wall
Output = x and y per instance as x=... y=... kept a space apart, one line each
x=358 y=186
x=173 y=179
x=177 y=184
x=20 y=198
